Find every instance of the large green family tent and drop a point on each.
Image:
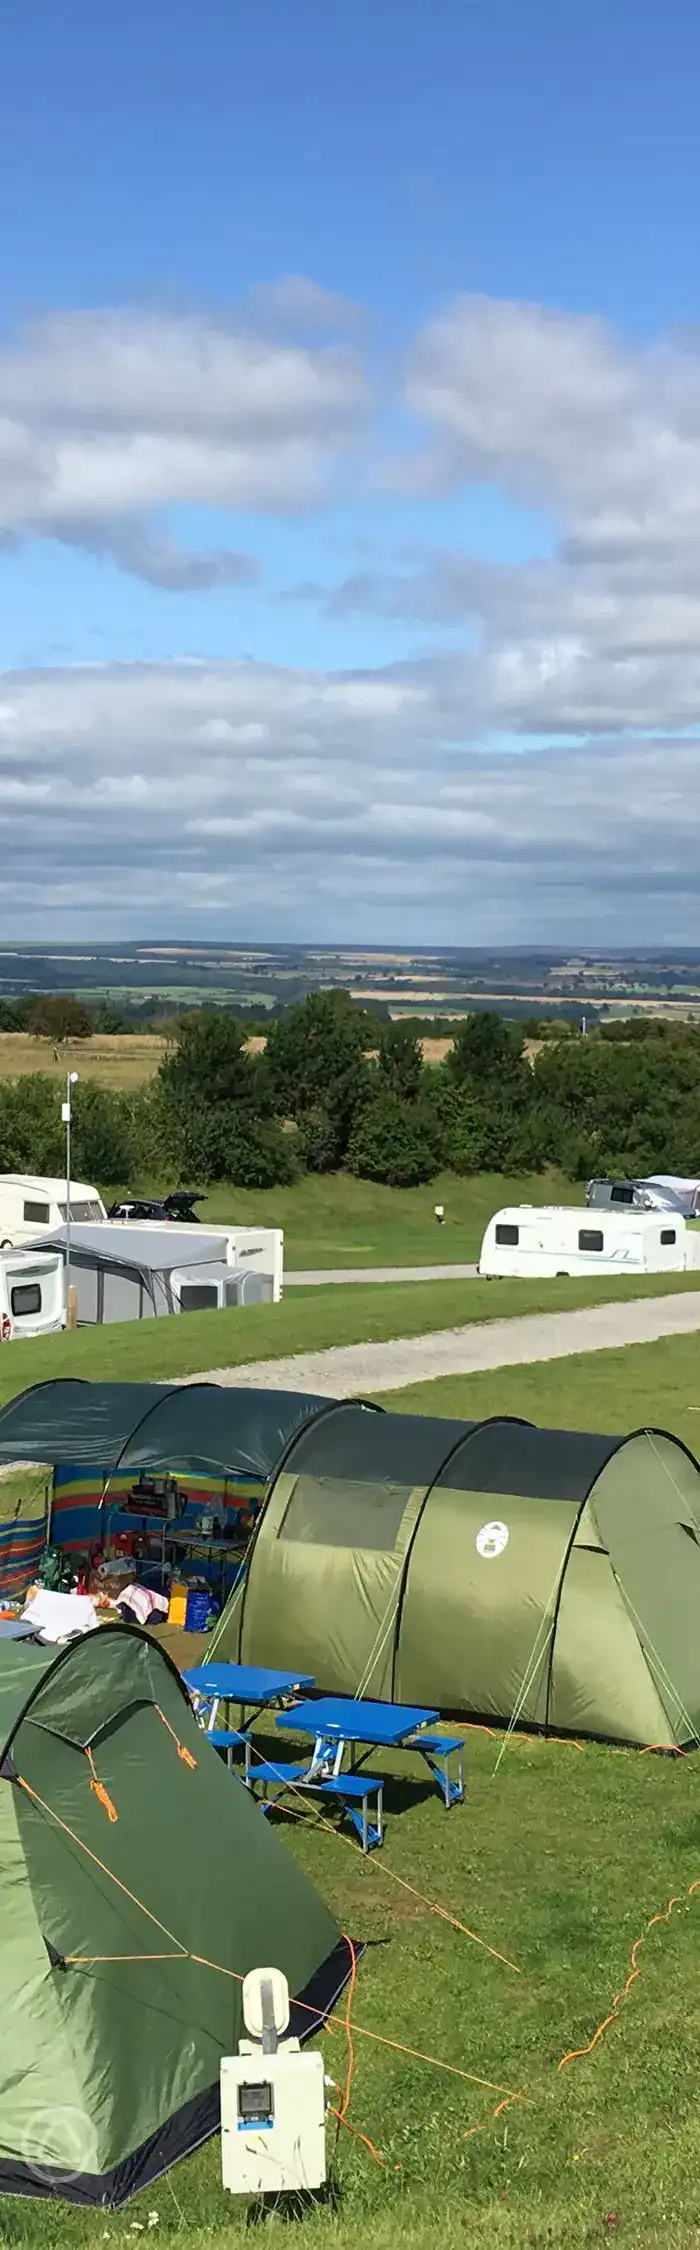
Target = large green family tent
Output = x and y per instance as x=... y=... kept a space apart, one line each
x=138 y=1887
x=515 y=1574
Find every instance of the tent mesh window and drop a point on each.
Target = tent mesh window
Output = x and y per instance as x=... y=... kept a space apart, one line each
x=337 y=1512
x=355 y=1471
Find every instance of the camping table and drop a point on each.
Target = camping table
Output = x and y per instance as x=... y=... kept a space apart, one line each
x=251 y=1685
x=213 y=1548
x=335 y=1721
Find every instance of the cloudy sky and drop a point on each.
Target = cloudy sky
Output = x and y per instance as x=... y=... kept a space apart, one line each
x=350 y=471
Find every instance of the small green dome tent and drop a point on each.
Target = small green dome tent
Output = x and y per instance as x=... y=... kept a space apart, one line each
x=493 y=1569
x=134 y=1871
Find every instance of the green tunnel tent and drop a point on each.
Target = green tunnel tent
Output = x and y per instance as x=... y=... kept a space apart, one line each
x=111 y=2028
x=493 y=1570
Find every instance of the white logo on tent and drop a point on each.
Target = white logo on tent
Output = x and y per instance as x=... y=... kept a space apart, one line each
x=491 y=1540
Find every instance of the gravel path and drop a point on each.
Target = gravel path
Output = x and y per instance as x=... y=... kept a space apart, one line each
x=353 y=1369
x=320 y=1276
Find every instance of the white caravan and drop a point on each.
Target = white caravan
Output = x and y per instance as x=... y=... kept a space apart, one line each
x=32 y=1295
x=31 y=1205
x=549 y=1239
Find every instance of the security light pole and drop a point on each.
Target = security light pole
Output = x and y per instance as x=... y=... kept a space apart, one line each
x=71 y=1080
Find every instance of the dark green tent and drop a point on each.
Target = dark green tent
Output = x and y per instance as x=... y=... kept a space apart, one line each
x=124 y=1939
x=546 y=1576
x=200 y=1428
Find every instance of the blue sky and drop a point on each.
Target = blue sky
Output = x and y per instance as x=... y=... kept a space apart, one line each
x=456 y=476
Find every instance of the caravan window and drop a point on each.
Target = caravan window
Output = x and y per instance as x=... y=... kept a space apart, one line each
x=509 y=1235
x=668 y=1234
x=622 y=1194
x=26 y=1298
x=590 y=1238
x=39 y=1214
x=81 y=1213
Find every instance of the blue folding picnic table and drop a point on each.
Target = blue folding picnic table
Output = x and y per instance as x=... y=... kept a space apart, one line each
x=335 y=1721
x=251 y=1685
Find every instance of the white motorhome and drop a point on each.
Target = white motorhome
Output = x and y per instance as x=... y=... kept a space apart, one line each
x=257 y=1250
x=32 y=1294
x=549 y=1239
x=31 y=1205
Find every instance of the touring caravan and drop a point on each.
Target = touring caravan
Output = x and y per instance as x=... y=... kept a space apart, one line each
x=32 y=1297
x=143 y=1272
x=258 y=1250
x=549 y=1239
x=31 y=1205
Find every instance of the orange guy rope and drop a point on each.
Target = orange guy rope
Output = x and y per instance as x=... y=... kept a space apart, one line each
x=334 y=2023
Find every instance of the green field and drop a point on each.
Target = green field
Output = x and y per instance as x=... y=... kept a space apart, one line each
x=307 y=1320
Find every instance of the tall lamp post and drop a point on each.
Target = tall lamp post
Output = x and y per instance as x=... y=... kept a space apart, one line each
x=71 y=1080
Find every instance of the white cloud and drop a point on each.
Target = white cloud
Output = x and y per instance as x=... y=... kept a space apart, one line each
x=250 y=799
x=108 y=417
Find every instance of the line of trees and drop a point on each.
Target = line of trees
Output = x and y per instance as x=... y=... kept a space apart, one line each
x=334 y=1090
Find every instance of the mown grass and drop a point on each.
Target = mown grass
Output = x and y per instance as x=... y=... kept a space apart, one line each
x=627 y=1389
x=307 y=1320
x=558 y=1861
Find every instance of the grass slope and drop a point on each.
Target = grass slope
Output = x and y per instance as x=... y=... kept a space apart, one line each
x=332 y=1219
x=307 y=1320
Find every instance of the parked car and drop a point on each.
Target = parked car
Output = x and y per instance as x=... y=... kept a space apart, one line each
x=178 y=1207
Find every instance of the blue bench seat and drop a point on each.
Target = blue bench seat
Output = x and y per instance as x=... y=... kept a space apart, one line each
x=437 y=1749
x=353 y=1791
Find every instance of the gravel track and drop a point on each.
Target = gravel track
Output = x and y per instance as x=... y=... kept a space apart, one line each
x=353 y=1369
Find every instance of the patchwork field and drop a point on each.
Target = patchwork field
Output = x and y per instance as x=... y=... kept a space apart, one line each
x=111 y=1059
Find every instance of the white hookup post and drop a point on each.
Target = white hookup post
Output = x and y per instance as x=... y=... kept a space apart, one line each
x=71 y=1080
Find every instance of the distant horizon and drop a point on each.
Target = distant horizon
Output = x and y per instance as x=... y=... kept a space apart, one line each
x=84 y=948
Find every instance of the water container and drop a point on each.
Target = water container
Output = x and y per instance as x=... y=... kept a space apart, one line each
x=198 y=1610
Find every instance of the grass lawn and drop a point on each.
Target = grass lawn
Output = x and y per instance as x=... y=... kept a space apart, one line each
x=332 y=1219
x=307 y=1320
x=610 y=1391
x=558 y=1861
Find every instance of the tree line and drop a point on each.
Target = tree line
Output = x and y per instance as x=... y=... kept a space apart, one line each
x=333 y=1090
